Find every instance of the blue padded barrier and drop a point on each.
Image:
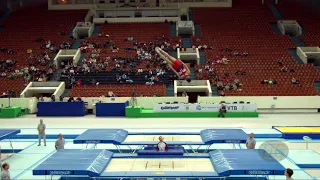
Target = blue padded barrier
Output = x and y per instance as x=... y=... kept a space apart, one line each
x=8 y=133
x=185 y=155
x=61 y=109
x=111 y=109
x=211 y=136
x=97 y=136
x=164 y=133
x=75 y=162
x=300 y=135
x=117 y=176
x=172 y=150
x=169 y=143
x=245 y=162
x=48 y=136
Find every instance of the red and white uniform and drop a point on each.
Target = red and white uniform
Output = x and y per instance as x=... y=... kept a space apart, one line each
x=179 y=68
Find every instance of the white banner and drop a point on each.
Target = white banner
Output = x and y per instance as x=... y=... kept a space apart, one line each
x=204 y=107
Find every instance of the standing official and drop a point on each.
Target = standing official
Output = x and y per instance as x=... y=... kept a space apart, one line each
x=42 y=133
x=60 y=142
x=251 y=142
x=5 y=174
x=288 y=174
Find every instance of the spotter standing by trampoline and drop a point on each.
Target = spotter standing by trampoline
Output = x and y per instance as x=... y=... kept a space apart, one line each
x=176 y=65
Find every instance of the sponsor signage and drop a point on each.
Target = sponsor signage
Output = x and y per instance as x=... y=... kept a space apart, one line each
x=233 y=141
x=92 y=141
x=60 y=172
x=258 y=172
x=204 y=107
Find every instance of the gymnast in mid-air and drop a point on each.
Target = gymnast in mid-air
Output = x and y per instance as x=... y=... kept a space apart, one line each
x=176 y=65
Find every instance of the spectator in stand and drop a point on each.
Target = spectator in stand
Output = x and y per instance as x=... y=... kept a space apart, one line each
x=184 y=94
x=245 y=54
x=149 y=83
x=235 y=87
x=227 y=87
x=279 y=63
x=71 y=99
x=284 y=69
x=236 y=82
x=26 y=79
x=225 y=60
x=222 y=93
x=292 y=70
x=219 y=85
x=111 y=94
x=53 y=98
x=79 y=99
x=294 y=81
x=10 y=51
x=236 y=53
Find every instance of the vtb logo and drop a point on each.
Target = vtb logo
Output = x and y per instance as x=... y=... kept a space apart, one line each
x=233 y=108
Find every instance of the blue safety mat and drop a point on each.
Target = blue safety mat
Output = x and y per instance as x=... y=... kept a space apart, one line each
x=107 y=136
x=7 y=133
x=172 y=150
x=245 y=162
x=180 y=143
x=211 y=136
x=75 y=162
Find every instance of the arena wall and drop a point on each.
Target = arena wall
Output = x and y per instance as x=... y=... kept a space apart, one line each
x=307 y=104
x=150 y=3
x=128 y=20
x=273 y=104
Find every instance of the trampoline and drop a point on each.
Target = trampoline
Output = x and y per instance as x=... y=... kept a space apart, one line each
x=120 y=137
x=105 y=164
x=8 y=134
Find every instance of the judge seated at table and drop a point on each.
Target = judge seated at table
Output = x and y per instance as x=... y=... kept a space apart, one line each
x=162 y=146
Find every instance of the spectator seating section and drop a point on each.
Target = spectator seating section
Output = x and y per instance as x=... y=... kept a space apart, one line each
x=23 y=27
x=118 y=33
x=307 y=16
x=120 y=90
x=110 y=78
x=247 y=28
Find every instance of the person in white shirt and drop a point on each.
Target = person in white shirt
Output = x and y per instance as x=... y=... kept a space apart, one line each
x=162 y=146
x=5 y=174
x=111 y=94
x=60 y=142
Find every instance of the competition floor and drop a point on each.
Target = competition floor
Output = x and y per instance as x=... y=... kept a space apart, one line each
x=31 y=155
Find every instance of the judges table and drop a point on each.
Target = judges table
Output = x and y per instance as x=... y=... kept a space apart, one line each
x=61 y=109
x=204 y=107
x=111 y=108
